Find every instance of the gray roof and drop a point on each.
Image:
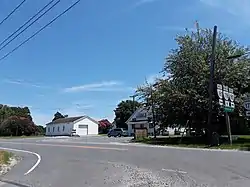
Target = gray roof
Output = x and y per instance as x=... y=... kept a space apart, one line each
x=71 y=120
x=65 y=120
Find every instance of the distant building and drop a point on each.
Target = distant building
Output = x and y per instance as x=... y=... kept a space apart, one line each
x=139 y=119
x=81 y=125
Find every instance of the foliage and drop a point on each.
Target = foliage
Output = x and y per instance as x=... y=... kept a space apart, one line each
x=184 y=94
x=58 y=115
x=5 y=157
x=104 y=126
x=123 y=111
x=41 y=130
x=16 y=121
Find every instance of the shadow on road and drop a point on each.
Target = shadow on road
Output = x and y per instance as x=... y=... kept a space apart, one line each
x=13 y=183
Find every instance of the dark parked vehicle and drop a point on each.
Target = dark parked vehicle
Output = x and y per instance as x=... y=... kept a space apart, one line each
x=117 y=132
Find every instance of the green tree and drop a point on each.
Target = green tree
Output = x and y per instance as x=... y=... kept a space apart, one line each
x=184 y=95
x=16 y=121
x=58 y=115
x=123 y=111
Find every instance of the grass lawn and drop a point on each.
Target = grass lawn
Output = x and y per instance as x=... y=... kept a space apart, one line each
x=102 y=134
x=5 y=157
x=242 y=143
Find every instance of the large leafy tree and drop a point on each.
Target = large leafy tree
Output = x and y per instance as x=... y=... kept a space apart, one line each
x=123 y=111
x=16 y=121
x=184 y=95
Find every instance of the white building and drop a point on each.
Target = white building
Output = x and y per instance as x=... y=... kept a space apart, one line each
x=82 y=125
x=139 y=119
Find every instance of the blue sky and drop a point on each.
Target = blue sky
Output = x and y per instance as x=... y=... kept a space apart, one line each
x=100 y=51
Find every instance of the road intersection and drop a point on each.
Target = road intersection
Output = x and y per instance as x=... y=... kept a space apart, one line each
x=100 y=161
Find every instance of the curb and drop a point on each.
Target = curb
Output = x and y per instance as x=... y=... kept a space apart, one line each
x=181 y=148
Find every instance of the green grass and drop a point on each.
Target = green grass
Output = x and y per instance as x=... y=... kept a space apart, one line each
x=102 y=134
x=5 y=157
x=242 y=143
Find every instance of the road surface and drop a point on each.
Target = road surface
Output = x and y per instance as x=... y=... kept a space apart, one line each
x=110 y=162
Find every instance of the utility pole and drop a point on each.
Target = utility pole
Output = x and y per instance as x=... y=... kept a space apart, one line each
x=228 y=128
x=211 y=80
x=153 y=109
x=133 y=99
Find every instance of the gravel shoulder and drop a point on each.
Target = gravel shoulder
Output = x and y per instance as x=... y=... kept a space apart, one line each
x=7 y=161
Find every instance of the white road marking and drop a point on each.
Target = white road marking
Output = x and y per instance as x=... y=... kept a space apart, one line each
x=24 y=151
x=175 y=171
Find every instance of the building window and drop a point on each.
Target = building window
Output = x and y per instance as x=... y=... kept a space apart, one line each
x=142 y=125
x=53 y=129
x=63 y=127
x=58 y=128
x=133 y=126
x=48 y=129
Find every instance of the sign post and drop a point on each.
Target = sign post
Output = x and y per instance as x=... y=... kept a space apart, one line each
x=226 y=101
x=247 y=106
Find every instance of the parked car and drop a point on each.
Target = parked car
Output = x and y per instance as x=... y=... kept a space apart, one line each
x=165 y=132
x=177 y=132
x=117 y=132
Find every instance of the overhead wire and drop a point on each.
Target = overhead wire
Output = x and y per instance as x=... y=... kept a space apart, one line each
x=39 y=17
x=40 y=30
x=14 y=10
x=26 y=22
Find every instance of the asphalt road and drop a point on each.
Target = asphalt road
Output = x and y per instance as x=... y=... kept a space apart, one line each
x=110 y=162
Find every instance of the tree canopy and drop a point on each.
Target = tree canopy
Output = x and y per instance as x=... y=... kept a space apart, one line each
x=123 y=111
x=58 y=115
x=183 y=94
x=17 y=121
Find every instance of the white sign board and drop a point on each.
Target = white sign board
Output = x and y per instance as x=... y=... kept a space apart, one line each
x=247 y=105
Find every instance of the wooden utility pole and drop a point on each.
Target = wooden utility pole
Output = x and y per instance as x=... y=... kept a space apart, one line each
x=211 y=82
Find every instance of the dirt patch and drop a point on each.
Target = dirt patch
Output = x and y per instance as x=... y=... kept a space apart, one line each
x=7 y=161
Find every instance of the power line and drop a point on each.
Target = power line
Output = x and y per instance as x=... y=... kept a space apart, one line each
x=26 y=22
x=32 y=36
x=30 y=24
x=7 y=17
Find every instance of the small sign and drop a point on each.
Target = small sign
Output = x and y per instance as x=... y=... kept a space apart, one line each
x=226 y=97
x=221 y=102
x=247 y=105
x=228 y=109
x=248 y=113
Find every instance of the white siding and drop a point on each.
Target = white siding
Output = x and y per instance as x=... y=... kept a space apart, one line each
x=92 y=127
x=138 y=125
x=61 y=129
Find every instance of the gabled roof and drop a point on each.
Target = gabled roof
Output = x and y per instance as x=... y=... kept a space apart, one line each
x=147 y=110
x=71 y=120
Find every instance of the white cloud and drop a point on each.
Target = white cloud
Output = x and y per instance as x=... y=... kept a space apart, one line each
x=239 y=8
x=103 y=86
x=23 y=83
x=139 y=3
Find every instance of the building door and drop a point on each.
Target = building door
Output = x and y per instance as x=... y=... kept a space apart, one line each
x=82 y=130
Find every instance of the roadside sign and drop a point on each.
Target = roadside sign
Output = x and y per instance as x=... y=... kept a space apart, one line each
x=226 y=97
x=247 y=105
x=228 y=109
x=248 y=113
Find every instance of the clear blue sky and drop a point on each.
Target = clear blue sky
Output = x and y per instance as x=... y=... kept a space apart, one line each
x=100 y=51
